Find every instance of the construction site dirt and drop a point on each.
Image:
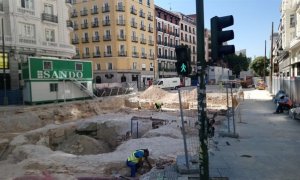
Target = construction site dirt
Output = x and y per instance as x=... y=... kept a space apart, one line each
x=93 y=138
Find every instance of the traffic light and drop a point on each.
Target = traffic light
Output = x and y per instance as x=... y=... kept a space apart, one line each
x=183 y=64
x=218 y=36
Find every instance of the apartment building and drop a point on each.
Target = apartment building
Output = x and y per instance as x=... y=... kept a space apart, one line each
x=118 y=36
x=188 y=36
x=167 y=28
x=287 y=49
x=32 y=28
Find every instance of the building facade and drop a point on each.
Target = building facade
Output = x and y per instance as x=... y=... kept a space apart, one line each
x=32 y=28
x=167 y=28
x=118 y=36
x=188 y=36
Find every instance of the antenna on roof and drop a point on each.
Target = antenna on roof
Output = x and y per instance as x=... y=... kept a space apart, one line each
x=170 y=6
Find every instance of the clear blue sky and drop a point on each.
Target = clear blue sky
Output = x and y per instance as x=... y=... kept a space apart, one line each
x=252 y=19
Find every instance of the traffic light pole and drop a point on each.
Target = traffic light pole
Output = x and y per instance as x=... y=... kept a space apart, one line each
x=201 y=67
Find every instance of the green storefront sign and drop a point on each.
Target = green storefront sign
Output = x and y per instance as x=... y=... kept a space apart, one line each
x=56 y=69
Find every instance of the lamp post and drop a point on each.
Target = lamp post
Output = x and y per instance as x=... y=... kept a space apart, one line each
x=5 y=99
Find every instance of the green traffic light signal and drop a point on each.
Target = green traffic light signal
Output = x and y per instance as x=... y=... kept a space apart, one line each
x=183 y=64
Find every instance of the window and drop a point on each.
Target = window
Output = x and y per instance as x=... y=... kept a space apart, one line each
x=141 y=1
x=185 y=27
x=292 y=20
x=109 y=66
x=97 y=50
x=48 y=8
x=87 y=50
x=50 y=35
x=108 y=49
x=148 y=2
x=134 y=64
x=151 y=66
x=53 y=87
x=143 y=67
x=107 y=32
x=47 y=65
x=122 y=33
x=28 y=4
x=78 y=66
x=98 y=67
x=27 y=30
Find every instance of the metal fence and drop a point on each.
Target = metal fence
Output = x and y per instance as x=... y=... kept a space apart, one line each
x=291 y=86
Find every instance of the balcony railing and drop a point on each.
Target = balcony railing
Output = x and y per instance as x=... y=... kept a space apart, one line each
x=95 y=24
x=135 y=54
x=133 y=24
x=144 y=56
x=85 y=40
x=74 y=14
x=121 y=22
x=120 y=8
x=106 y=22
x=84 y=26
x=49 y=17
x=150 y=17
x=121 y=37
x=105 y=9
x=70 y=24
x=143 y=41
x=150 y=29
x=75 y=41
x=96 y=38
x=75 y=26
x=133 y=11
x=159 y=29
x=122 y=53
x=142 y=14
x=107 y=38
x=84 y=12
x=143 y=27
x=107 y=54
x=86 y=55
x=134 y=39
x=96 y=54
x=151 y=56
x=94 y=11
x=151 y=42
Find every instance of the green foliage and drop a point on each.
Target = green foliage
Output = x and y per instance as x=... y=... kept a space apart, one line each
x=257 y=66
x=237 y=63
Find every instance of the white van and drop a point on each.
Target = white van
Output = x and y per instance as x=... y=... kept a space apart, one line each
x=167 y=83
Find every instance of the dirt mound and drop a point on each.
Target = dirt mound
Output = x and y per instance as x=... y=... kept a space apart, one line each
x=153 y=93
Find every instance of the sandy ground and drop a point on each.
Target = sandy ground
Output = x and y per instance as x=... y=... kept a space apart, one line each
x=44 y=140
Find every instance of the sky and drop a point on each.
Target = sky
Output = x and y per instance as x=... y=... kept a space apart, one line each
x=252 y=20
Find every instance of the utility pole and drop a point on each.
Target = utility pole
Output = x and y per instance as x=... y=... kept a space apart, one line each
x=5 y=100
x=201 y=93
x=264 y=70
x=271 y=60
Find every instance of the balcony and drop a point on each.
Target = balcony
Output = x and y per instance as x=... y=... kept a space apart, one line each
x=94 y=11
x=143 y=27
x=107 y=54
x=106 y=22
x=74 y=14
x=151 y=42
x=70 y=24
x=49 y=17
x=134 y=39
x=95 y=24
x=96 y=54
x=84 y=26
x=75 y=26
x=159 y=29
x=75 y=41
x=86 y=55
x=144 y=56
x=150 y=29
x=133 y=11
x=133 y=24
x=105 y=9
x=96 y=38
x=143 y=41
x=85 y=40
x=121 y=37
x=122 y=53
x=120 y=8
x=120 y=22
x=142 y=14
x=107 y=38
x=160 y=42
x=84 y=12
x=151 y=56
x=150 y=17
x=135 y=54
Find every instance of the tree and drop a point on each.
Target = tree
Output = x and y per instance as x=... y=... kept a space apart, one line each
x=257 y=66
x=237 y=63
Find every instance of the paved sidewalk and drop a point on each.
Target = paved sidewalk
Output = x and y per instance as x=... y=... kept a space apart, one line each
x=268 y=147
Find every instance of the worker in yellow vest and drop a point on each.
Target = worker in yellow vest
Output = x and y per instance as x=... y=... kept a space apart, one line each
x=136 y=160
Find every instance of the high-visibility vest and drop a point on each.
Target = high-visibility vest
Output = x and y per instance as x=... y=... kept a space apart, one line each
x=133 y=158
